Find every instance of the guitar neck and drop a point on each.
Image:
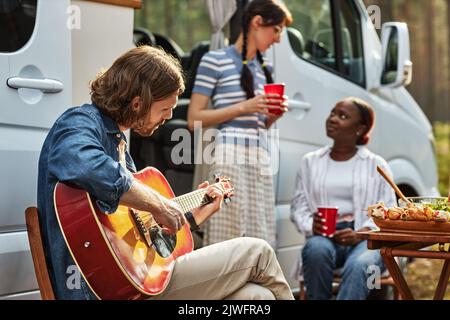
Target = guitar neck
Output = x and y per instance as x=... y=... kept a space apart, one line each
x=192 y=200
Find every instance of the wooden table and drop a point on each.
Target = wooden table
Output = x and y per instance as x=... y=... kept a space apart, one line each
x=393 y=244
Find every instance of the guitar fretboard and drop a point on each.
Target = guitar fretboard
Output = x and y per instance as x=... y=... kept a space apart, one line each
x=192 y=200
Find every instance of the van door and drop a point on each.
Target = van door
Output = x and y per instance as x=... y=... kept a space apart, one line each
x=319 y=65
x=35 y=87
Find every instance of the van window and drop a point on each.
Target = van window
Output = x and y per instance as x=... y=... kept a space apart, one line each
x=313 y=33
x=352 y=43
x=390 y=65
x=186 y=22
x=17 y=19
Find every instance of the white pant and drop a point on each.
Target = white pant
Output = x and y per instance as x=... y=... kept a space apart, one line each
x=241 y=269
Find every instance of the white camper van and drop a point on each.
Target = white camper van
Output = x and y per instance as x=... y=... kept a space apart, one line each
x=50 y=49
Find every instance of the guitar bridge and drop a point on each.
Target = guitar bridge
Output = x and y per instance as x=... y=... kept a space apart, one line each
x=140 y=226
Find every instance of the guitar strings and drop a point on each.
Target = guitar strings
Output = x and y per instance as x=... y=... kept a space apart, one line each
x=187 y=202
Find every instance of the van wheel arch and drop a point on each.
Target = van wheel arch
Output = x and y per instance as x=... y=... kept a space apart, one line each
x=407 y=190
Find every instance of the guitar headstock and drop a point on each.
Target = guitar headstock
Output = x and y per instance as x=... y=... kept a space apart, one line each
x=225 y=185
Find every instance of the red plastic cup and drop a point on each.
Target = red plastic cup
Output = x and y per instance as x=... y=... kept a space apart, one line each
x=277 y=88
x=329 y=217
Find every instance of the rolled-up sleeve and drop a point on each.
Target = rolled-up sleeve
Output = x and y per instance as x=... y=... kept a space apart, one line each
x=78 y=157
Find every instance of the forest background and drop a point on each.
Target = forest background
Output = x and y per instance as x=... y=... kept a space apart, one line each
x=429 y=27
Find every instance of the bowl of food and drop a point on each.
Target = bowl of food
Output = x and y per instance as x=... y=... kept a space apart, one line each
x=438 y=206
x=419 y=214
x=435 y=203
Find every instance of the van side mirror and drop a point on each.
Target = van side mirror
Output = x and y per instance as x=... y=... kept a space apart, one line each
x=397 y=65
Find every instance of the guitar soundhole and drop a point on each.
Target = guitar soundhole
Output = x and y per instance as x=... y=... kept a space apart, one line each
x=164 y=244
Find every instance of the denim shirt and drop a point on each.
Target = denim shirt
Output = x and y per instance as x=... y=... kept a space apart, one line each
x=81 y=148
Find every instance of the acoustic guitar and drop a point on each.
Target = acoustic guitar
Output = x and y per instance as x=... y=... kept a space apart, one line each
x=126 y=255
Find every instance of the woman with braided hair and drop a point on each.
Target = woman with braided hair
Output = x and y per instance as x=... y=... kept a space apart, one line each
x=233 y=79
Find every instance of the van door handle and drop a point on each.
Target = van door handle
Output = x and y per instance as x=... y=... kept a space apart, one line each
x=45 y=85
x=296 y=104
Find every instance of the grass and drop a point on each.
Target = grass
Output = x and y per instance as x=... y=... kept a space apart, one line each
x=422 y=275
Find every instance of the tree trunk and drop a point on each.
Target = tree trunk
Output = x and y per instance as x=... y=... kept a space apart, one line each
x=411 y=12
x=430 y=45
x=386 y=8
x=189 y=29
x=447 y=107
x=168 y=17
x=143 y=15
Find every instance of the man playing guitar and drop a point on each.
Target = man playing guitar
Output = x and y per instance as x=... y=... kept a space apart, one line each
x=139 y=92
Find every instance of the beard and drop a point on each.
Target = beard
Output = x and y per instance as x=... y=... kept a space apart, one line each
x=144 y=132
x=147 y=130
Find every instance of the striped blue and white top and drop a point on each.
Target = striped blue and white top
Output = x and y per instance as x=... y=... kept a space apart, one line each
x=218 y=77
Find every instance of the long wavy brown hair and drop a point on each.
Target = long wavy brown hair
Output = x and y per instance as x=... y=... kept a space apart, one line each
x=145 y=72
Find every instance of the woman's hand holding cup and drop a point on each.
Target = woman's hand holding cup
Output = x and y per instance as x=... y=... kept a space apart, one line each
x=318 y=225
x=278 y=101
x=324 y=222
x=264 y=104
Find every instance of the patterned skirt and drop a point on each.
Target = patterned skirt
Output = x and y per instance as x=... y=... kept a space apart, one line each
x=251 y=212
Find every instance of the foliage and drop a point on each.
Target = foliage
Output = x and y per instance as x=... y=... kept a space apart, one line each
x=184 y=21
x=187 y=23
x=442 y=134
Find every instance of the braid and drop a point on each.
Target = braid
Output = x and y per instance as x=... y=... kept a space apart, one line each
x=268 y=75
x=246 y=75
